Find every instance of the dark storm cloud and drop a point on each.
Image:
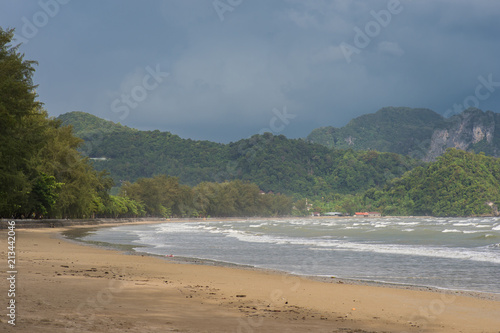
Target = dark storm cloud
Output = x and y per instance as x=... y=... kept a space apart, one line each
x=223 y=68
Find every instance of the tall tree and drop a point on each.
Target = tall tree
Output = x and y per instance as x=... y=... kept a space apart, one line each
x=41 y=171
x=18 y=141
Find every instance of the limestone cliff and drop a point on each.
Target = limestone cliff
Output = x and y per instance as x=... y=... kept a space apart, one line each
x=473 y=129
x=419 y=133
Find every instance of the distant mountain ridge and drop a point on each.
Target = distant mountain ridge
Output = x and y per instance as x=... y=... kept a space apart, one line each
x=418 y=133
x=84 y=123
x=274 y=163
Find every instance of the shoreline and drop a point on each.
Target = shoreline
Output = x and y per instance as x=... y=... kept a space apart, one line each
x=128 y=250
x=64 y=223
x=65 y=286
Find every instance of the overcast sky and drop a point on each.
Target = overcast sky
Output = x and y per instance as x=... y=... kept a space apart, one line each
x=227 y=69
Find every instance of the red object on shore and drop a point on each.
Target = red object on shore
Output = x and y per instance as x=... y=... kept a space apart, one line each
x=361 y=214
x=373 y=214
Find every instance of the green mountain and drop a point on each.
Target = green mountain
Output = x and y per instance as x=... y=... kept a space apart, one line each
x=458 y=183
x=274 y=163
x=85 y=124
x=129 y=154
x=294 y=166
x=419 y=133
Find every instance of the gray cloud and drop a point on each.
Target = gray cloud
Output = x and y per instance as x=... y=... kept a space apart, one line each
x=226 y=77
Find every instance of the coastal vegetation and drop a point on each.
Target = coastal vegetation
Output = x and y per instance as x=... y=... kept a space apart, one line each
x=41 y=171
x=81 y=166
x=459 y=183
x=164 y=196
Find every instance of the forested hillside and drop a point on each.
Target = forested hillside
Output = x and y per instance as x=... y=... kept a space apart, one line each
x=295 y=166
x=275 y=163
x=459 y=183
x=90 y=125
x=131 y=154
x=419 y=133
x=399 y=130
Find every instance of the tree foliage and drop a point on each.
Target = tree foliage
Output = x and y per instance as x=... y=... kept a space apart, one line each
x=18 y=107
x=42 y=173
x=459 y=183
x=164 y=196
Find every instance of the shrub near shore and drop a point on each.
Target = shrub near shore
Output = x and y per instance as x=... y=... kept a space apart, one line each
x=164 y=196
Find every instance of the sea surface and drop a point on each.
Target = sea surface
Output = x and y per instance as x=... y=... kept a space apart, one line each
x=448 y=253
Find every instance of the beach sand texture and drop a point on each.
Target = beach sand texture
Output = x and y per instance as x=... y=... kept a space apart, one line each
x=66 y=287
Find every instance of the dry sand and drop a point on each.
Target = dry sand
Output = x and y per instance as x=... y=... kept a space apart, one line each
x=66 y=287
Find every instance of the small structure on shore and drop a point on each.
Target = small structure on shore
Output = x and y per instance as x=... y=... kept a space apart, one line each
x=333 y=214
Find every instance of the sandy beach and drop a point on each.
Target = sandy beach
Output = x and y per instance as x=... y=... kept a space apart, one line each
x=62 y=286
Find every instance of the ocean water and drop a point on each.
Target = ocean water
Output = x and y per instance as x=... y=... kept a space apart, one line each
x=449 y=253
